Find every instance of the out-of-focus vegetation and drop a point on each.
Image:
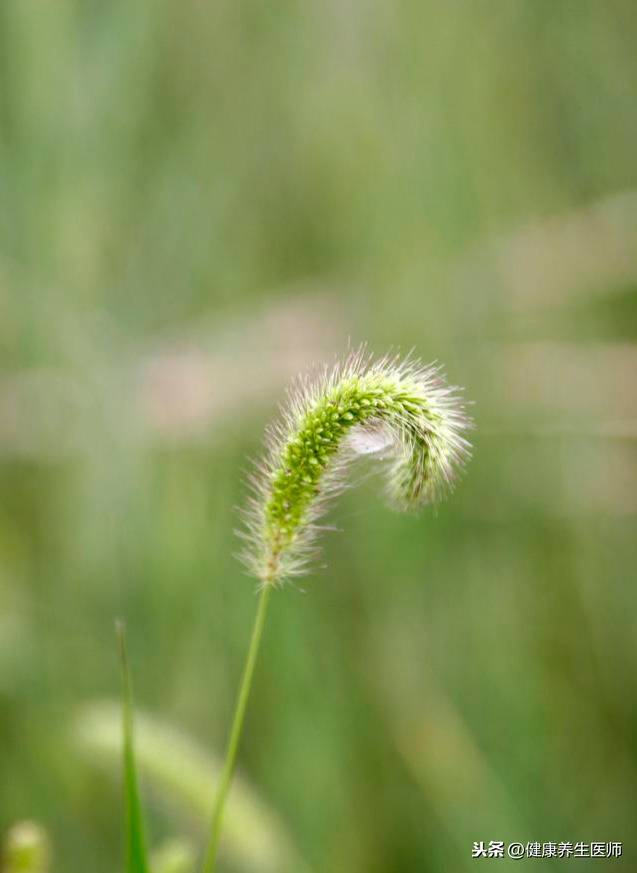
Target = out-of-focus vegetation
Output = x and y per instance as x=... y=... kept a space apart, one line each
x=199 y=199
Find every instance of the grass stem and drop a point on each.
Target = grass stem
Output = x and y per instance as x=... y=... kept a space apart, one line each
x=234 y=740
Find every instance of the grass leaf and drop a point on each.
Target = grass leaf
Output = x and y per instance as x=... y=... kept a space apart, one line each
x=136 y=854
x=180 y=771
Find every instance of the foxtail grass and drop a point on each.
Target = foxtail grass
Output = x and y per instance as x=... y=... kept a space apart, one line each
x=396 y=408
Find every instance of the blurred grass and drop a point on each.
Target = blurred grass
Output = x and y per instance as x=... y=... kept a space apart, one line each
x=136 y=857
x=180 y=774
x=199 y=196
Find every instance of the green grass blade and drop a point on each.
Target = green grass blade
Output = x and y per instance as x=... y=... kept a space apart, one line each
x=180 y=772
x=136 y=852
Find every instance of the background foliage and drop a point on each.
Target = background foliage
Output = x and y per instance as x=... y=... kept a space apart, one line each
x=199 y=199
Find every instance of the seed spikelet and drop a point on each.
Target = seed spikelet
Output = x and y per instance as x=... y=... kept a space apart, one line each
x=399 y=407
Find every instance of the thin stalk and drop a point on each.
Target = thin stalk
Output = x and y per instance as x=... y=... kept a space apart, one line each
x=234 y=740
x=137 y=852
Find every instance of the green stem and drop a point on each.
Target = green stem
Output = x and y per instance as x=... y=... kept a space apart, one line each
x=210 y=861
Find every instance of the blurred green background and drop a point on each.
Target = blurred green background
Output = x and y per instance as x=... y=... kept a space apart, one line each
x=198 y=200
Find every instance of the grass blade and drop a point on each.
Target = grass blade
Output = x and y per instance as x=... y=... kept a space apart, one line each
x=136 y=852
x=180 y=772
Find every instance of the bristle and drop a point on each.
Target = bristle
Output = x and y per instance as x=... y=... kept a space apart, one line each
x=399 y=405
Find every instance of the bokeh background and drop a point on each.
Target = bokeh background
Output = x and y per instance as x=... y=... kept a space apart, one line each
x=198 y=200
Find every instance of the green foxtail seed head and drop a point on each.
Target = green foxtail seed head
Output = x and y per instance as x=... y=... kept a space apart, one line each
x=400 y=409
x=26 y=849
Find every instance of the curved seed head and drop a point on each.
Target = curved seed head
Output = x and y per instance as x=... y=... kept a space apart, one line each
x=399 y=409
